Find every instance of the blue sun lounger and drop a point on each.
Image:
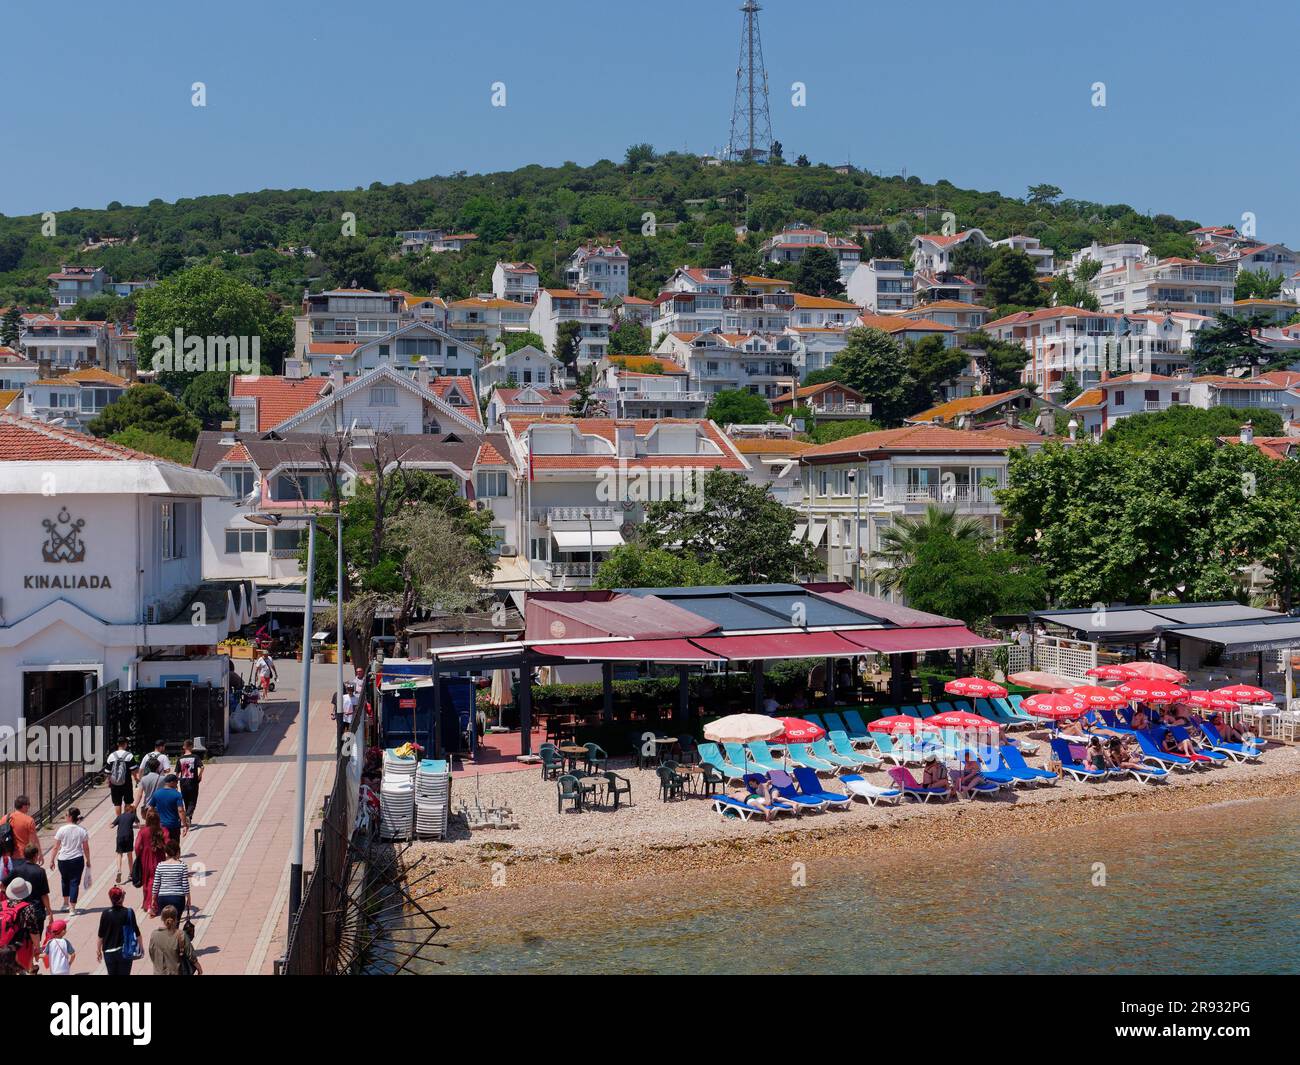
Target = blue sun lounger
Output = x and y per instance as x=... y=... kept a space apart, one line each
x=815 y=719
x=854 y=725
x=1213 y=755
x=832 y=722
x=761 y=755
x=800 y=754
x=738 y=755
x=1152 y=752
x=842 y=745
x=783 y=785
x=711 y=755
x=1238 y=752
x=810 y=787
x=729 y=807
x=1014 y=762
x=1071 y=765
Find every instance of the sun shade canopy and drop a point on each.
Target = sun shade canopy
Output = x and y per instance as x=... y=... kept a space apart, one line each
x=779 y=645
x=900 y=641
x=631 y=651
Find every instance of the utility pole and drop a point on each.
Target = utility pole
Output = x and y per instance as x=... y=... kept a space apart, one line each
x=750 y=140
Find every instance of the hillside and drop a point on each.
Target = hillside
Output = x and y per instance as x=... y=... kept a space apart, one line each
x=536 y=214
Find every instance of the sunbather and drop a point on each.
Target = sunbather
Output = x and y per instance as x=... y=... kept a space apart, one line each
x=1230 y=732
x=1097 y=755
x=1174 y=715
x=1185 y=747
x=1072 y=727
x=961 y=781
x=934 y=774
x=758 y=793
x=1140 y=720
x=1122 y=754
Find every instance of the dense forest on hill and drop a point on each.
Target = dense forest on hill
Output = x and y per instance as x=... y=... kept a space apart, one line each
x=538 y=214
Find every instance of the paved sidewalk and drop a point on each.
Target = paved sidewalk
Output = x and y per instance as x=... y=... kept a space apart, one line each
x=238 y=849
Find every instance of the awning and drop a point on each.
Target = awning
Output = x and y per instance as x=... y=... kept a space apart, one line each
x=572 y=540
x=901 y=641
x=630 y=651
x=816 y=530
x=800 y=531
x=779 y=645
x=1280 y=635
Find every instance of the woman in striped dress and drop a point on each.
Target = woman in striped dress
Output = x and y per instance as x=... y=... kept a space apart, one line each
x=171 y=882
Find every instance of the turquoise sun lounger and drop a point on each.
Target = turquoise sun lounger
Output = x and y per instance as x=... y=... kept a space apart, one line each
x=800 y=754
x=711 y=755
x=842 y=745
x=761 y=755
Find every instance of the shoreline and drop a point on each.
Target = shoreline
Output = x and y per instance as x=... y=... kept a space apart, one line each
x=474 y=867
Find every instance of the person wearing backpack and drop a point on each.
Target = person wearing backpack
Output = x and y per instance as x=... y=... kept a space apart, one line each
x=20 y=928
x=120 y=776
x=119 y=942
x=19 y=823
x=33 y=875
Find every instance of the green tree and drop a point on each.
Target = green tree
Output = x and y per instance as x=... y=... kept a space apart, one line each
x=1011 y=279
x=738 y=406
x=567 y=339
x=932 y=363
x=150 y=409
x=629 y=338
x=1229 y=344
x=639 y=156
x=877 y=366
x=1003 y=361
x=1258 y=284
x=165 y=447
x=105 y=307
x=1180 y=424
x=827 y=432
x=1042 y=195
x=733 y=522
x=971 y=259
x=885 y=244
x=207 y=398
x=10 y=327
x=1070 y=390
x=635 y=566
x=901 y=541
x=958 y=578
x=818 y=273
x=515 y=341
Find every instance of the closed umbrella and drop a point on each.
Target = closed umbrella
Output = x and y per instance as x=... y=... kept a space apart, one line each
x=743 y=728
x=1152 y=691
x=976 y=687
x=502 y=694
x=797 y=730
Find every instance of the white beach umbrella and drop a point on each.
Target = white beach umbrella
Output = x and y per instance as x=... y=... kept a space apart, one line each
x=743 y=728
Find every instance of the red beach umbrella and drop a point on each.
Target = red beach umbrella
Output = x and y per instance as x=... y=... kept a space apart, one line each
x=896 y=723
x=1244 y=693
x=1053 y=704
x=1037 y=678
x=1115 y=672
x=962 y=719
x=1152 y=691
x=797 y=730
x=976 y=687
x=1096 y=695
x=1208 y=700
x=1153 y=671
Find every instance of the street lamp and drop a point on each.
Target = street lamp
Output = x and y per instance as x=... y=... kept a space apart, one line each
x=304 y=701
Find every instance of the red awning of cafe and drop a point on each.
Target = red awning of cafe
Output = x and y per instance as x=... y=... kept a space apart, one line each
x=778 y=645
x=901 y=641
x=628 y=651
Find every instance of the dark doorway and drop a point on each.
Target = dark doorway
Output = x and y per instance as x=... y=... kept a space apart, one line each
x=47 y=690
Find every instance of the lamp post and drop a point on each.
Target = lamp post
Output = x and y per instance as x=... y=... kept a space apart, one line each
x=304 y=703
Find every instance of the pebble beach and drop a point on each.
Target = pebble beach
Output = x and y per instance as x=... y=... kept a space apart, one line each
x=653 y=838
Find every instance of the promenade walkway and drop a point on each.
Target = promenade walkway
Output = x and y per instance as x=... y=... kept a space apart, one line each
x=238 y=849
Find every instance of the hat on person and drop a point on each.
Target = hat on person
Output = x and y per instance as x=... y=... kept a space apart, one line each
x=57 y=928
x=18 y=889
x=116 y=894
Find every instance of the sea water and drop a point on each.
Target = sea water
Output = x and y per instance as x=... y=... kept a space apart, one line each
x=1211 y=890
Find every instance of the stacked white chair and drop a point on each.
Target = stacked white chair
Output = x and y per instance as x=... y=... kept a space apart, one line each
x=397 y=796
x=432 y=798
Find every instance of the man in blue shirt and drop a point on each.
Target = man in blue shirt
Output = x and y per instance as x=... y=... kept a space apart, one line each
x=170 y=804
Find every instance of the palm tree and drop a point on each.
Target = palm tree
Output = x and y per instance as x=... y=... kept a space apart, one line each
x=901 y=541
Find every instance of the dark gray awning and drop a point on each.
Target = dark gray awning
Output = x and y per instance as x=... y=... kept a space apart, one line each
x=1246 y=638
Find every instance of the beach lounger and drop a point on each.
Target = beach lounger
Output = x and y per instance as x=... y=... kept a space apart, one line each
x=1149 y=773
x=959 y=704
x=854 y=725
x=1072 y=766
x=812 y=788
x=925 y=710
x=911 y=788
x=815 y=719
x=861 y=788
x=729 y=807
x=1010 y=714
x=1202 y=751
x=711 y=755
x=800 y=754
x=910 y=711
x=1112 y=721
x=738 y=755
x=822 y=749
x=885 y=745
x=842 y=745
x=783 y=785
x=1152 y=753
x=832 y=722
x=1014 y=762
x=1238 y=752
x=997 y=710
x=991 y=767
x=761 y=755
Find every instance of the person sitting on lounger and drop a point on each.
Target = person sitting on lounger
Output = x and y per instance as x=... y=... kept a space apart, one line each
x=1231 y=733
x=1072 y=727
x=1120 y=754
x=1140 y=720
x=758 y=794
x=1176 y=715
x=934 y=775
x=961 y=781
x=1097 y=755
x=1173 y=746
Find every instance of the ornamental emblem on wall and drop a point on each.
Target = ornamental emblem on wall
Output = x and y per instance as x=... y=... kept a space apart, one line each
x=64 y=543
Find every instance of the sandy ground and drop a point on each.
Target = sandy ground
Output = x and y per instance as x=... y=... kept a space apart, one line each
x=651 y=837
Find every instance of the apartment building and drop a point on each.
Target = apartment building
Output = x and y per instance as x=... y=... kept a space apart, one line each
x=882 y=286
x=1276 y=260
x=1172 y=284
x=346 y=316
x=1110 y=401
x=602 y=267
x=1110 y=256
x=588 y=481
x=65 y=344
x=436 y=241
x=932 y=253
x=1044 y=259
x=635 y=309
x=789 y=245
x=523 y=366
x=698 y=300
x=964 y=318
x=585 y=306
x=542 y=401
x=1014 y=408
x=73 y=399
x=482 y=320
x=773 y=456
x=410 y=348
x=661 y=390
x=762 y=363
x=515 y=281
x=16 y=372
x=69 y=284
x=856 y=488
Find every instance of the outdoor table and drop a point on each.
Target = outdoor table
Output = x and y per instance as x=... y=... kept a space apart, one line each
x=592 y=785
x=694 y=774
x=663 y=744
x=572 y=753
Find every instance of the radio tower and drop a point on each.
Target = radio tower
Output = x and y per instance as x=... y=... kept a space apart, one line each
x=751 y=124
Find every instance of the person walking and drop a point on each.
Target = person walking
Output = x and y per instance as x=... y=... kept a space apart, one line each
x=171 y=882
x=58 y=954
x=72 y=856
x=118 y=943
x=30 y=871
x=120 y=774
x=149 y=778
x=170 y=804
x=170 y=950
x=20 y=824
x=150 y=849
x=20 y=924
x=124 y=824
x=189 y=768
x=264 y=674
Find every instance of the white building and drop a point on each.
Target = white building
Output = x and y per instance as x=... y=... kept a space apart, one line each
x=660 y=390
x=1166 y=285
x=65 y=344
x=773 y=456
x=413 y=346
x=789 y=245
x=602 y=267
x=69 y=284
x=1044 y=259
x=882 y=286
x=523 y=366
x=1111 y=256
x=556 y=305
x=74 y=399
x=100 y=576
x=482 y=320
x=762 y=363
x=515 y=281
x=347 y=316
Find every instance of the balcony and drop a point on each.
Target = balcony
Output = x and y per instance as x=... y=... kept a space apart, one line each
x=842 y=410
x=962 y=495
x=576 y=514
x=585 y=570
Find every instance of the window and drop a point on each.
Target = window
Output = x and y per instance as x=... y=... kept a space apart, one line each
x=245 y=541
x=299 y=487
x=239 y=481
x=491 y=483
x=173 y=526
x=383 y=396
x=539 y=548
x=287 y=539
x=1119 y=399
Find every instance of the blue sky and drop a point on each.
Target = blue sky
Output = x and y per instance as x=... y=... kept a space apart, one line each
x=1200 y=118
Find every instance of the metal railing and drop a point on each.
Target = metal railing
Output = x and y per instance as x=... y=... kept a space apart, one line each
x=69 y=735
x=171 y=714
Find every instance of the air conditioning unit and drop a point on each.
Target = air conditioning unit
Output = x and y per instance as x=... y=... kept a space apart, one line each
x=508 y=551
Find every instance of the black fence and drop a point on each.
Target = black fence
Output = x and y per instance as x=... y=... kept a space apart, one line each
x=318 y=932
x=48 y=762
x=145 y=715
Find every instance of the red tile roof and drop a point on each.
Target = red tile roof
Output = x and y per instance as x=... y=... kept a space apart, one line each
x=440 y=386
x=488 y=455
x=278 y=398
x=26 y=440
x=925 y=438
